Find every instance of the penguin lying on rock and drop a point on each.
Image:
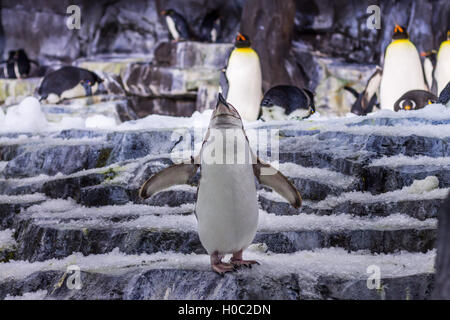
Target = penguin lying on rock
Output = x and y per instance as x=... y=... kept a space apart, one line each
x=241 y=82
x=68 y=82
x=18 y=65
x=177 y=25
x=366 y=100
x=415 y=100
x=226 y=208
x=287 y=102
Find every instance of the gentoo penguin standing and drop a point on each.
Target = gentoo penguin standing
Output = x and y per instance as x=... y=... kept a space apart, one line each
x=226 y=208
x=429 y=65
x=68 y=82
x=402 y=70
x=442 y=72
x=177 y=25
x=211 y=27
x=244 y=79
x=366 y=100
x=415 y=100
x=9 y=68
x=444 y=97
x=287 y=102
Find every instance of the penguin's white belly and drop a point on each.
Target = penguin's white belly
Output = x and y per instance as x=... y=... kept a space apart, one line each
x=402 y=72
x=227 y=209
x=442 y=73
x=172 y=29
x=77 y=91
x=245 y=84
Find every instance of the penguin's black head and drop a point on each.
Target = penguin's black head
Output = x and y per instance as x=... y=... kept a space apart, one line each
x=431 y=54
x=225 y=114
x=242 y=41
x=167 y=12
x=400 y=33
x=407 y=104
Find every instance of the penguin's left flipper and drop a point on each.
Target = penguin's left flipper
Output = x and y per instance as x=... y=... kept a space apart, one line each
x=271 y=177
x=173 y=175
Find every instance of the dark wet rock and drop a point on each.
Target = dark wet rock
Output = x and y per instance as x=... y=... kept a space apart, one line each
x=442 y=287
x=379 y=179
x=97 y=196
x=416 y=287
x=180 y=284
x=9 y=212
x=72 y=187
x=169 y=106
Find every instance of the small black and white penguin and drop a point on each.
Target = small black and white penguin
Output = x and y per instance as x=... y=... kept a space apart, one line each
x=402 y=69
x=177 y=25
x=429 y=67
x=415 y=100
x=287 y=102
x=444 y=97
x=442 y=71
x=366 y=100
x=227 y=205
x=211 y=27
x=242 y=80
x=18 y=65
x=68 y=82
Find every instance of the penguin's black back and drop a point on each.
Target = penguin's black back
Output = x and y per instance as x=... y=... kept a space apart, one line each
x=290 y=98
x=444 y=97
x=23 y=63
x=10 y=72
x=208 y=24
x=65 y=79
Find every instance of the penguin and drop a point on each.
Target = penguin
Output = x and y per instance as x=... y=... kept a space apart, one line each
x=211 y=27
x=366 y=100
x=18 y=65
x=442 y=72
x=402 y=70
x=177 y=25
x=429 y=65
x=415 y=100
x=287 y=102
x=68 y=82
x=226 y=208
x=243 y=79
x=444 y=97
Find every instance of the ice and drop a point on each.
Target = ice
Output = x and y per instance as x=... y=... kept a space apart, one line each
x=27 y=116
x=26 y=198
x=7 y=241
x=100 y=121
x=36 y=295
x=330 y=261
x=402 y=160
x=423 y=186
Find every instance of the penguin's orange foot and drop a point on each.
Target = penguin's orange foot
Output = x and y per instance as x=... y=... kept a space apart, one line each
x=245 y=263
x=222 y=268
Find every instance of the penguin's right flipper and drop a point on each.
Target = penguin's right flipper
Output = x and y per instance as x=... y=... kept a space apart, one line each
x=173 y=175
x=271 y=177
x=444 y=96
x=223 y=81
x=373 y=84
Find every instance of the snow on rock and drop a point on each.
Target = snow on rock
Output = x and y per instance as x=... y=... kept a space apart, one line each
x=402 y=160
x=7 y=241
x=27 y=116
x=36 y=295
x=423 y=186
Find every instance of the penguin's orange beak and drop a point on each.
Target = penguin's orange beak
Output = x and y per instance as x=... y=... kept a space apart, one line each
x=240 y=37
x=407 y=107
x=398 y=28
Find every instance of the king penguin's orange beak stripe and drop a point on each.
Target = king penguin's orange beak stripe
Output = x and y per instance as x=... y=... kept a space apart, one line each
x=240 y=37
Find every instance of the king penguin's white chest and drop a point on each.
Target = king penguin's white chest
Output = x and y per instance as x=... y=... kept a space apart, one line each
x=442 y=73
x=226 y=209
x=245 y=82
x=402 y=72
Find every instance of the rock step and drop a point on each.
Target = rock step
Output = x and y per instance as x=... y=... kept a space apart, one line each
x=44 y=234
x=319 y=274
x=10 y=206
x=364 y=204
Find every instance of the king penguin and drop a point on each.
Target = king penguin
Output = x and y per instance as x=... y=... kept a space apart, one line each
x=244 y=79
x=226 y=207
x=402 y=70
x=442 y=72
